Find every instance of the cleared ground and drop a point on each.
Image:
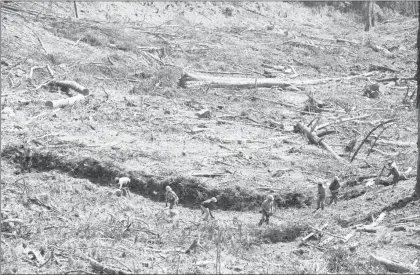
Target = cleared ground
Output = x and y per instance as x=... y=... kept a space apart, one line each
x=138 y=122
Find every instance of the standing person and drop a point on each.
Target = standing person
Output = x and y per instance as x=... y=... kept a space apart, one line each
x=267 y=210
x=321 y=196
x=171 y=197
x=26 y=161
x=334 y=189
x=206 y=206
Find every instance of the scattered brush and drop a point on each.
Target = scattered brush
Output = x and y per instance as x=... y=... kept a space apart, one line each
x=342 y=260
x=283 y=233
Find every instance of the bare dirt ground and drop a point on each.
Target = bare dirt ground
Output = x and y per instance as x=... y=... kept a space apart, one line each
x=64 y=215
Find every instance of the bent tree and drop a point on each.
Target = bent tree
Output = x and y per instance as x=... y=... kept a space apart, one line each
x=417 y=187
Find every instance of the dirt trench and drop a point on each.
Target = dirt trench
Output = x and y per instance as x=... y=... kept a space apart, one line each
x=191 y=191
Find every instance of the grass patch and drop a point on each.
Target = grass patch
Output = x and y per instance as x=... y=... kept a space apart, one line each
x=342 y=260
x=284 y=233
x=354 y=193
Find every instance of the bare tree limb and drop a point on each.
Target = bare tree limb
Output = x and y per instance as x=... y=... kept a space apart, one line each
x=376 y=139
x=340 y=121
x=367 y=136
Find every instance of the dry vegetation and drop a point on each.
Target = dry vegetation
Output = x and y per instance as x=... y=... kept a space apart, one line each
x=64 y=216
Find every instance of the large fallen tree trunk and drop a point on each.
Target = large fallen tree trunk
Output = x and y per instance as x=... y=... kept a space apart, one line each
x=316 y=140
x=189 y=79
x=64 y=102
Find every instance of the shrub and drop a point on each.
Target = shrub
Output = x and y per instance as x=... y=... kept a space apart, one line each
x=285 y=233
x=338 y=260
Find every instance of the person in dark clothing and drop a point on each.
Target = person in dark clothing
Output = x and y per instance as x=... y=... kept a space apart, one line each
x=267 y=210
x=321 y=196
x=334 y=189
x=26 y=158
x=206 y=206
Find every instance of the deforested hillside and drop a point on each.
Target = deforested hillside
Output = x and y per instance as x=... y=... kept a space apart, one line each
x=235 y=101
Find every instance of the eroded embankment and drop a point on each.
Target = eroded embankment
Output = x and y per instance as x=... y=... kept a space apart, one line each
x=191 y=191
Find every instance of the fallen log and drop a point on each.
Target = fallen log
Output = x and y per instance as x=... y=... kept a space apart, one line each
x=66 y=84
x=398 y=143
x=373 y=227
x=411 y=218
x=105 y=269
x=395 y=266
x=209 y=175
x=64 y=102
x=325 y=133
x=299 y=127
x=189 y=79
x=368 y=229
x=394 y=79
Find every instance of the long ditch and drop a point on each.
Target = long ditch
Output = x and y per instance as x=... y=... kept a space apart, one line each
x=191 y=191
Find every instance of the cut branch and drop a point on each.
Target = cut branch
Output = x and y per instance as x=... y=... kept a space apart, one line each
x=367 y=136
x=376 y=139
x=341 y=121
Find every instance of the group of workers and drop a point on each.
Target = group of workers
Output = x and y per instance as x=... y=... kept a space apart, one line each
x=267 y=207
x=172 y=198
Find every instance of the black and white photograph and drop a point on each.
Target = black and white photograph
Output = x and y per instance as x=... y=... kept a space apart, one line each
x=210 y=137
